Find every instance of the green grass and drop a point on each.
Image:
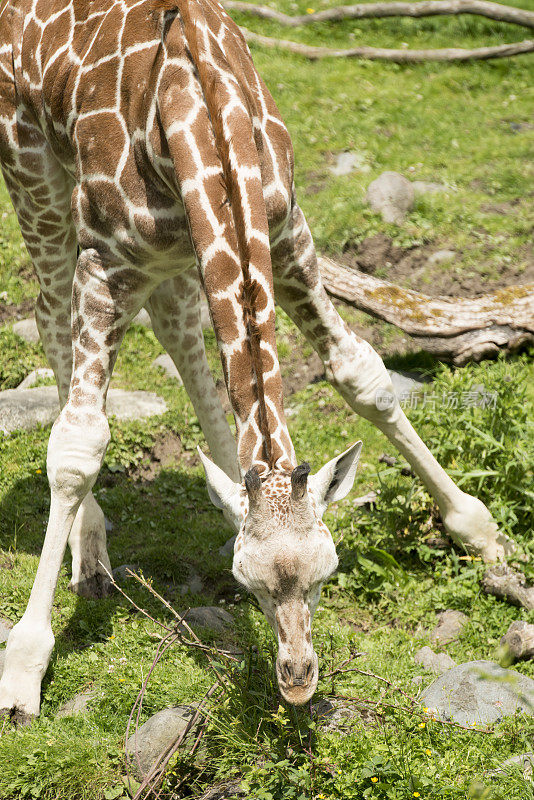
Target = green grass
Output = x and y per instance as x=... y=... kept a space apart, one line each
x=451 y=124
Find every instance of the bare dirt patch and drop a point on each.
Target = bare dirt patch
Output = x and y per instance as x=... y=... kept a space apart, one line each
x=413 y=267
x=9 y=313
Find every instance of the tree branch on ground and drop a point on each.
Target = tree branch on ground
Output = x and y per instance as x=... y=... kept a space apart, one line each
x=430 y=8
x=454 y=329
x=315 y=53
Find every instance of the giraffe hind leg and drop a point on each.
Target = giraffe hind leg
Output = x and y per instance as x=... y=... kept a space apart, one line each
x=360 y=376
x=174 y=308
x=50 y=238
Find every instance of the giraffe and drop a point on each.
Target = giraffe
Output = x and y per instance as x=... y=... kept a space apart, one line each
x=146 y=159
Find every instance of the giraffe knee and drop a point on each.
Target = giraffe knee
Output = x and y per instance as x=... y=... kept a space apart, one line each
x=76 y=449
x=358 y=373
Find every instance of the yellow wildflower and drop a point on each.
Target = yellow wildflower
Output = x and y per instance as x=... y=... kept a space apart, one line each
x=38 y=471
x=429 y=752
x=416 y=794
x=310 y=11
x=374 y=779
x=422 y=724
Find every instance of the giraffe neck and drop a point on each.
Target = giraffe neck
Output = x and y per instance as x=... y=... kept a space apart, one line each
x=241 y=298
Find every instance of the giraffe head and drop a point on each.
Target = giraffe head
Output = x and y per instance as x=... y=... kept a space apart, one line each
x=284 y=552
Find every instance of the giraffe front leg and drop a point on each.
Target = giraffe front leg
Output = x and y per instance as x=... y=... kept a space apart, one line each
x=360 y=376
x=75 y=452
x=105 y=299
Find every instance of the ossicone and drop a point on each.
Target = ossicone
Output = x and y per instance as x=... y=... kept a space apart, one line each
x=299 y=481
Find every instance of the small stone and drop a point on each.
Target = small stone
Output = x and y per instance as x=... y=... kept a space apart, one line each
x=227 y=549
x=76 y=705
x=525 y=762
x=392 y=195
x=27 y=330
x=449 y=627
x=193 y=585
x=479 y=692
x=347 y=162
x=434 y=662
x=405 y=383
x=224 y=791
x=167 y=364
x=334 y=715
x=366 y=500
x=5 y=629
x=157 y=735
x=429 y=187
x=35 y=376
x=142 y=318
x=205 y=318
x=121 y=573
x=441 y=256
x=217 y=619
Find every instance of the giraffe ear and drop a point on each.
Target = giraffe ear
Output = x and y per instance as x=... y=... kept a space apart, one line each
x=335 y=480
x=223 y=491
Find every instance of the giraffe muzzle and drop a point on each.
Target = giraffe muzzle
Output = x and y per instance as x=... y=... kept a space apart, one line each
x=297 y=678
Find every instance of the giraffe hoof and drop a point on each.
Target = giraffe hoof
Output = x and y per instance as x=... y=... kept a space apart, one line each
x=94 y=588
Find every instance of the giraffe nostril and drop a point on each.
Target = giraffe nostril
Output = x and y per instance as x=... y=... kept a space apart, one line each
x=286 y=670
x=309 y=671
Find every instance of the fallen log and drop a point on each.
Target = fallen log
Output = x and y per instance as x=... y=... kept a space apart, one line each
x=428 y=8
x=453 y=329
x=504 y=582
x=519 y=640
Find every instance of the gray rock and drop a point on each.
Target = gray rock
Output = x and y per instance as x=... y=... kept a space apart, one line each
x=120 y=573
x=205 y=318
x=27 y=330
x=449 y=627
x=76 y=705
x=23 y=409
x=142 y=318
x=167 y=364
x=479 y=692
x=134 y=405
x=224 y=791
x=157 y=734
x=434 y=662
x=5 y=629
x=392 y=195
x=193 y=584
x=525 y=762
x=429 y=187
x=34 y=376
x=227 y=549
x=441 y=256
x=405 y=383
x=347 y=162
x=217 y=619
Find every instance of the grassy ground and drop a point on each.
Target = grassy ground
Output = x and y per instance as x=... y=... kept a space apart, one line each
x=433 y=122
